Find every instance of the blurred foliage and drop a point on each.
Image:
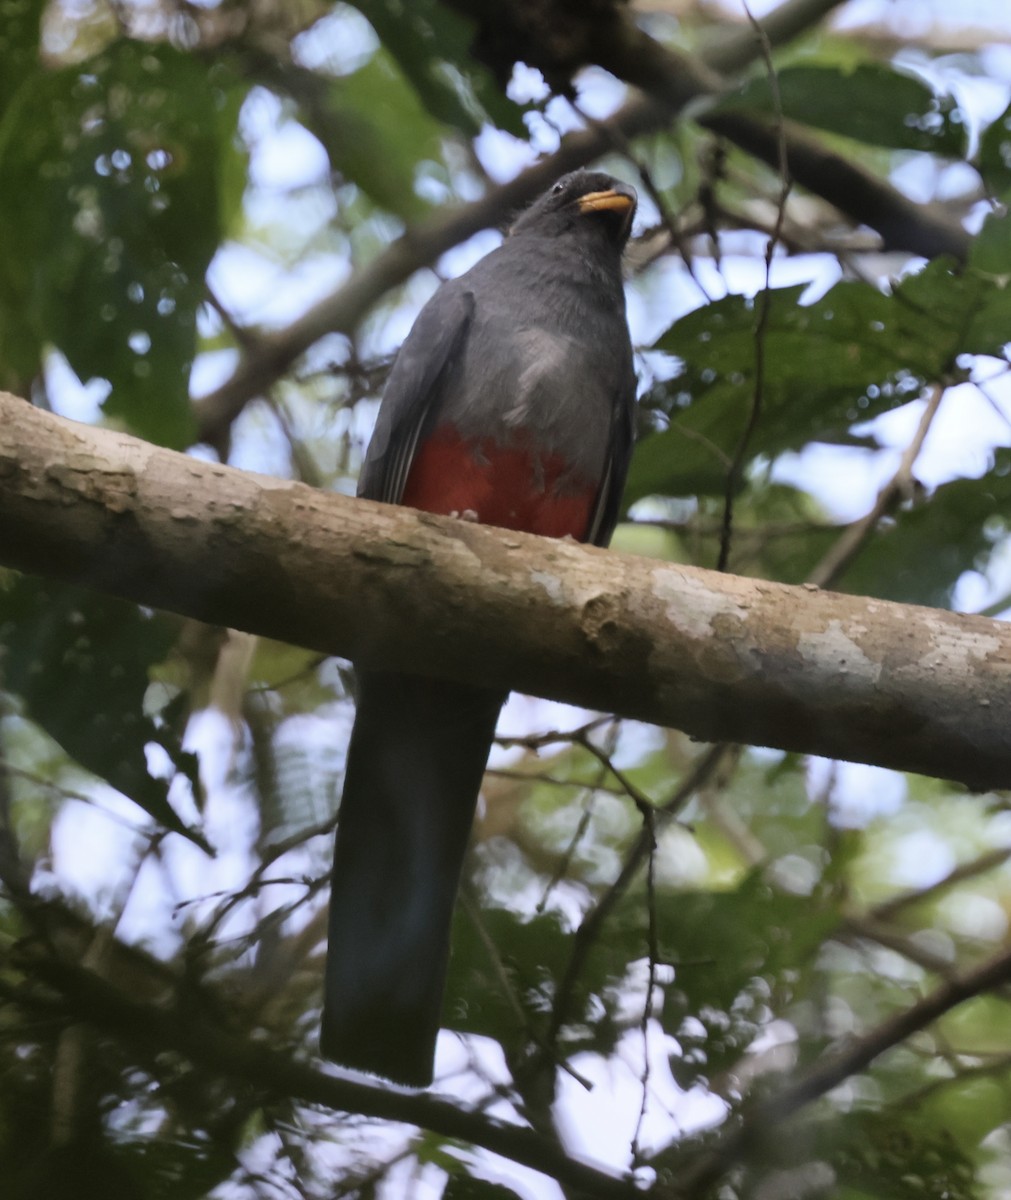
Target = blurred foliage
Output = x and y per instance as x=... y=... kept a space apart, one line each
x=847 y=357
x=870 y=103
x=181 y=181
x=50 y=632
x=111 y=212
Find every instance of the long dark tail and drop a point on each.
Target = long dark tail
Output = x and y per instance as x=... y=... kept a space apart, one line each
x=417 y=754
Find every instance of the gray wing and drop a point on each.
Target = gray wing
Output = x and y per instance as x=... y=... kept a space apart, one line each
x=431 y=351
x=608 y=504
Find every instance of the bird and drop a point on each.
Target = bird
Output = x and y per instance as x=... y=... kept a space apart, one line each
x=511 y=402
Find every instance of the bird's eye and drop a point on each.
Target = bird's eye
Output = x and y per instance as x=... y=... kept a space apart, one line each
x=558 y=188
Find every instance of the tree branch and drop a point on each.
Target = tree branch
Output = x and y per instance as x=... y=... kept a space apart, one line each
x=721 y=657
x=741 y=44
x=916 y=227
x=610 y=38
x=159 y=1029
x=843 y=551
x=839 y=1065
x=217 y=1050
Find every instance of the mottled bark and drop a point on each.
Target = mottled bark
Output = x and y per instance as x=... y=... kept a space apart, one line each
x=719 y=656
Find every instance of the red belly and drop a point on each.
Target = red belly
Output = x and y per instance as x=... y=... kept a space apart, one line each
x=510 y=486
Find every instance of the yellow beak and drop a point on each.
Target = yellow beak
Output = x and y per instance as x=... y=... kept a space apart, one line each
x=609 y=201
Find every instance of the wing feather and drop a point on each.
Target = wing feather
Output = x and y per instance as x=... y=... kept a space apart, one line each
x=414 y=391
x=608 y=504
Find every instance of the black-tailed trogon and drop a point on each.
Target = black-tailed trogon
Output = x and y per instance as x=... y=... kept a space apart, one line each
x=511 y=403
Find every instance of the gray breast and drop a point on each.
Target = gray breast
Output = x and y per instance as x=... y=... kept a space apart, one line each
x=553 y=386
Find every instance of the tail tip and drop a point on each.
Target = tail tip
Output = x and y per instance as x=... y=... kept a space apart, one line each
x=390 y=1050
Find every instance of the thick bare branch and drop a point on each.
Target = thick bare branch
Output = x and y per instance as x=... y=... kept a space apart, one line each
x=721 y=657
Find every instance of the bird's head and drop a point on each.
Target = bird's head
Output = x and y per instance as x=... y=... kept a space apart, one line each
x=590 y=200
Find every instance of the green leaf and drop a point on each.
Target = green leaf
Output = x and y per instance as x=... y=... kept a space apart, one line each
x=920 y=558
x=893 y=1154
x=433 y=47
x=81 y=665
x=851 y=355
x=981 y=1026
x=112 y=207
x=530 y=951
x=969 y=1109
x=775 y=803
x=990 y=253
x=19 y=45
x=780 y=532
x=870 y=102
x=827 y=365
x=969 y=312
x=732 y=951
x=376 y=131
x=995 y=154
x=916 y=556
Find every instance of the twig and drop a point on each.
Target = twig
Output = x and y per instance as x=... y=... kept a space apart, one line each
x=837 y=1066
x=218 y=1051
x=735 y=474
x=592 y=924
x=505 y=983
x=521 y=776
x=553 y=737
x=864 y=928
x=562 y=868
x=649 y=819
x=676 y=81
x=638 y=797
x=842 y=553
x=668 y=220
x=988 y=861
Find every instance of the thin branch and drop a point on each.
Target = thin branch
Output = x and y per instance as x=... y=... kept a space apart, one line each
x=506 y=987
x=983 y=863
x=842 y=553
x=676 y=81
x=736 y=472
x=638 y=797
x=676 y=235
x=562 y=869
x=522 y=776
x=837 y=1066
x=218 y=1051
x=737 y=47
x=862 y=928
x=553 y=737
x=653 y=958
x=592 y=924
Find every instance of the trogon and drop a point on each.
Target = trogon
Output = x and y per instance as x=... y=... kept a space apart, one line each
x=511 y=403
